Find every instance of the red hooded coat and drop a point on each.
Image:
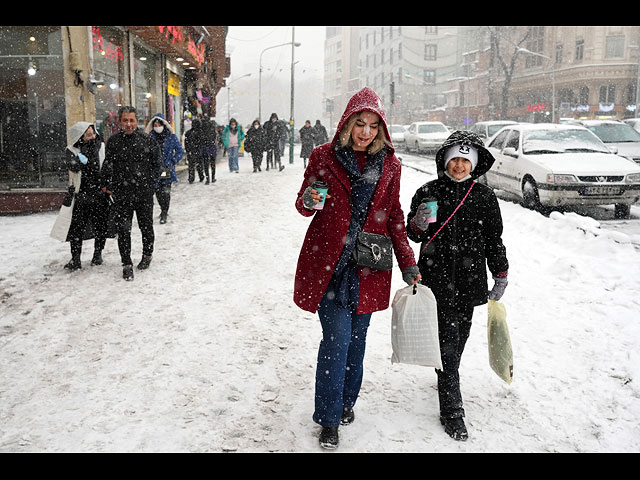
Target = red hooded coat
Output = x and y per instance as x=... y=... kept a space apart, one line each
x=326 y=235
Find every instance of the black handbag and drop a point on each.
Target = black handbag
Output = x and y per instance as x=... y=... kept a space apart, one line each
x=373 y=251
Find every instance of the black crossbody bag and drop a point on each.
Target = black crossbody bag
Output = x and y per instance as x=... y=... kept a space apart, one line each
x=373 y=251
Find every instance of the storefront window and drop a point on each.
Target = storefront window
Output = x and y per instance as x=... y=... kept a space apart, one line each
x=32 y=107
x=109 y=68
x=145 y=76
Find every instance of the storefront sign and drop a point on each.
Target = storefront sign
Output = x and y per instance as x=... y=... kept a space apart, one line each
x=173 y=85
x=105 y=48
x=177 y=36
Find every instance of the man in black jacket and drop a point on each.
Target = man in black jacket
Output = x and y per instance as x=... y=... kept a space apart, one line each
x=131 y=170
x=454 y=256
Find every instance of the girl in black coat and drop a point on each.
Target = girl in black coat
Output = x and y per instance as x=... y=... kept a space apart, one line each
x=255 y=144
x=454 y=257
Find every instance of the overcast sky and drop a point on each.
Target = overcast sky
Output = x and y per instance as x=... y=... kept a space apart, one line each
x=245 y=44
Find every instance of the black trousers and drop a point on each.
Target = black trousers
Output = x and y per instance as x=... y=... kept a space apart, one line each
x=95 y=211
x=195 y=162
x=257 y=160
x=163 y=194
x=142 y=205
x=273 y=157
x=209 y=161
x=454 y=326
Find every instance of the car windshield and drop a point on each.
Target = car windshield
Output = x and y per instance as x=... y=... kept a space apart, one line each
x=615 y=132
x=432 y=129
x=495 y=127
x=561 y=141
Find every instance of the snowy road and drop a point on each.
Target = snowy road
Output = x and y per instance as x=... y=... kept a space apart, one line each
x=206 y=352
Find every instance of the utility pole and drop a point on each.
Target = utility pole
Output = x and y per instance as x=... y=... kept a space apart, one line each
x=291 y=121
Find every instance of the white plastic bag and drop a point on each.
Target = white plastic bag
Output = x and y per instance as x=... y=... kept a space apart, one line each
x=414 y=327
x=500 y=352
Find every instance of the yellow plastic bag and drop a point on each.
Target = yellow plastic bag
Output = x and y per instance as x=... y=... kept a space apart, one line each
x=500 y=352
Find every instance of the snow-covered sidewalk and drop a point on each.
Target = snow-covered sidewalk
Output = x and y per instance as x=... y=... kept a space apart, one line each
x=206 y=352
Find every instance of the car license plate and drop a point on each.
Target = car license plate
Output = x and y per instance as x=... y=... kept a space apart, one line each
x=602 y=191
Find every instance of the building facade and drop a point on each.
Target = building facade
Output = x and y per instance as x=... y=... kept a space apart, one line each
x=54 y=76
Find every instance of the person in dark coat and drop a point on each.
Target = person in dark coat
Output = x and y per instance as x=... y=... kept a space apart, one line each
x=91 y=207
x=254 y=143
x=307 y=140
x=193 y=141
x=172 y=152
x=320 y=133
x=209 y=149
x=363 y=176
x=454 y=260
x=132 y=168
x=275 y=134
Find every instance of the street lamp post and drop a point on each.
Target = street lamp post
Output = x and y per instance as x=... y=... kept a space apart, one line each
x=229 y=95
x=260 y=74
x=553 y=81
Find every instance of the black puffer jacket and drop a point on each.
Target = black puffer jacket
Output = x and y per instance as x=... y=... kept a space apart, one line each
x=454 y=264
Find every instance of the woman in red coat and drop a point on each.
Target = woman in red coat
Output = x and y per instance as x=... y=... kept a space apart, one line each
x=363 y=177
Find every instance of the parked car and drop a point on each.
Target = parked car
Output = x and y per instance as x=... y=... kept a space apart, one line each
x=618 y=136
x=423 y=136
x=488 y=129
x=556 y=165
x=634 y=122
x=397 y=135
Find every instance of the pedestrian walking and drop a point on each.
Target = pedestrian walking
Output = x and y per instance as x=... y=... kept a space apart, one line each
x=209 y=149
x=320 y=133
x=456 y=250
x=232 y=137
x=362 y=173
x=193 y=141
x=172 y=152
x=254 y=143
x=132 y=168
x=85 y=156
x=275 y=136
x=307 y=140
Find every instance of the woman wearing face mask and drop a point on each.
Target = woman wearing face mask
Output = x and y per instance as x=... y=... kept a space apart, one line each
x=86 y=156
x=232 y=137
x=254 y=143
x=454 y=260
x=363 y=177
x=172 y=153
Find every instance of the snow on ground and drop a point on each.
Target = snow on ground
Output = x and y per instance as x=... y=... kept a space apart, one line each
x=206 y=352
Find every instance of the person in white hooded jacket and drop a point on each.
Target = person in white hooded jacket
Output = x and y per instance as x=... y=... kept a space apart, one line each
x=85 y=156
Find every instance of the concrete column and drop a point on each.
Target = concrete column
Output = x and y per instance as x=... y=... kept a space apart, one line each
x=77 y=44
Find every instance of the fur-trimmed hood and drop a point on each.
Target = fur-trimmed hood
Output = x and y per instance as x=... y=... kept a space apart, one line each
x=158 y=116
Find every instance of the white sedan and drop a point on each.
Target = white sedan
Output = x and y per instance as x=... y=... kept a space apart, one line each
x=425 y=136
x=556 y=165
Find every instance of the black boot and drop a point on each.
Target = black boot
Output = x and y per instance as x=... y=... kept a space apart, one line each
x=347 y=416
x=329 y=438
x=97 y=258
x=163 y=217
x=455 y=428
x=144 y=263
x=127 y=272
x=74 y=264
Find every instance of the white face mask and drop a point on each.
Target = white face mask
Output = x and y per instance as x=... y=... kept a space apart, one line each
x=158 y=129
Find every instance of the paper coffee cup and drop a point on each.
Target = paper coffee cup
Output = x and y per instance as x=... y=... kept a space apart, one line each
x=322 y=188
x=432 y=203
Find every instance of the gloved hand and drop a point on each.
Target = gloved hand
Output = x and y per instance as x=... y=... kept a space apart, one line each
x=83 y=158
x=498 y=288
x=411 y=275
x=421 y=216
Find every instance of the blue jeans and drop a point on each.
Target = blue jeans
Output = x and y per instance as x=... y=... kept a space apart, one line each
x=340 y=359
x=233 y=158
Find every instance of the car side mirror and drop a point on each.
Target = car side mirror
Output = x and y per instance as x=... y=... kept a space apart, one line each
x=510 y=151
x=613 y=149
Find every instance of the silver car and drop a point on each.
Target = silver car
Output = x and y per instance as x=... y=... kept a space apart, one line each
x=556 y=165
x=622 y=138
x=425 y=136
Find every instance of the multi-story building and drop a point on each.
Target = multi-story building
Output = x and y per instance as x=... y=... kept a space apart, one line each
x=54 y=76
